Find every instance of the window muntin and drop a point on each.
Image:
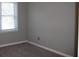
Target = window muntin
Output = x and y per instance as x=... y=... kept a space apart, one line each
x=8 y=16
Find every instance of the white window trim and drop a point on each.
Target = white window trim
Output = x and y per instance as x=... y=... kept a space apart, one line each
x=15 y=16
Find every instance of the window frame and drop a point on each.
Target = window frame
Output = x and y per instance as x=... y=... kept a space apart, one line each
x=15 y=17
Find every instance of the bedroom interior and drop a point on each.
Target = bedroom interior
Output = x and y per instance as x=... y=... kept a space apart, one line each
x=38 y=29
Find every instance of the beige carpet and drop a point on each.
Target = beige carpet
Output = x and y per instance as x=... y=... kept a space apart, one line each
x=25 y=50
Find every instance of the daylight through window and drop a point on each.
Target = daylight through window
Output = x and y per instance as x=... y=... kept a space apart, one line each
x=8 y=16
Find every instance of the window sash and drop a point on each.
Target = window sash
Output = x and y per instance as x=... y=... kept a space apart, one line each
x=3 y=9
x=7 y=22
x=14 y=16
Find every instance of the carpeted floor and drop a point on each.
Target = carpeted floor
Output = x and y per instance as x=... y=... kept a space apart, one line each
x=25 y=50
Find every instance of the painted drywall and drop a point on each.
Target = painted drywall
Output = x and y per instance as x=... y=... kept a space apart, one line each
x=54 y=23
x=21 y=34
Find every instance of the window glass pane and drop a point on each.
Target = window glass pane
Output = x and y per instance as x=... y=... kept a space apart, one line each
x=7 y=8
x=7 y=22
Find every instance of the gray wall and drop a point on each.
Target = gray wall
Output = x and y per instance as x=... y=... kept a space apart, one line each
x=21 y=34
x=54 y=23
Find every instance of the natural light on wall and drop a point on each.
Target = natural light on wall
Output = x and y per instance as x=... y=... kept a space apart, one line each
x=8 y=16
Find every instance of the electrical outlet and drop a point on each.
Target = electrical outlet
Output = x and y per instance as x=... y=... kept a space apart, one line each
x=38 y=38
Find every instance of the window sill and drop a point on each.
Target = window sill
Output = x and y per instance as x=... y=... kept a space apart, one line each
x=8 y=30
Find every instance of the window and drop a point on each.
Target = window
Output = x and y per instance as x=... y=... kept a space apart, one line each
x=8 y=16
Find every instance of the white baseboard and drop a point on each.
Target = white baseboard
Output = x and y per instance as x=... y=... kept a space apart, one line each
x=13 y=43
x=49 y=49
x=38 y=45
